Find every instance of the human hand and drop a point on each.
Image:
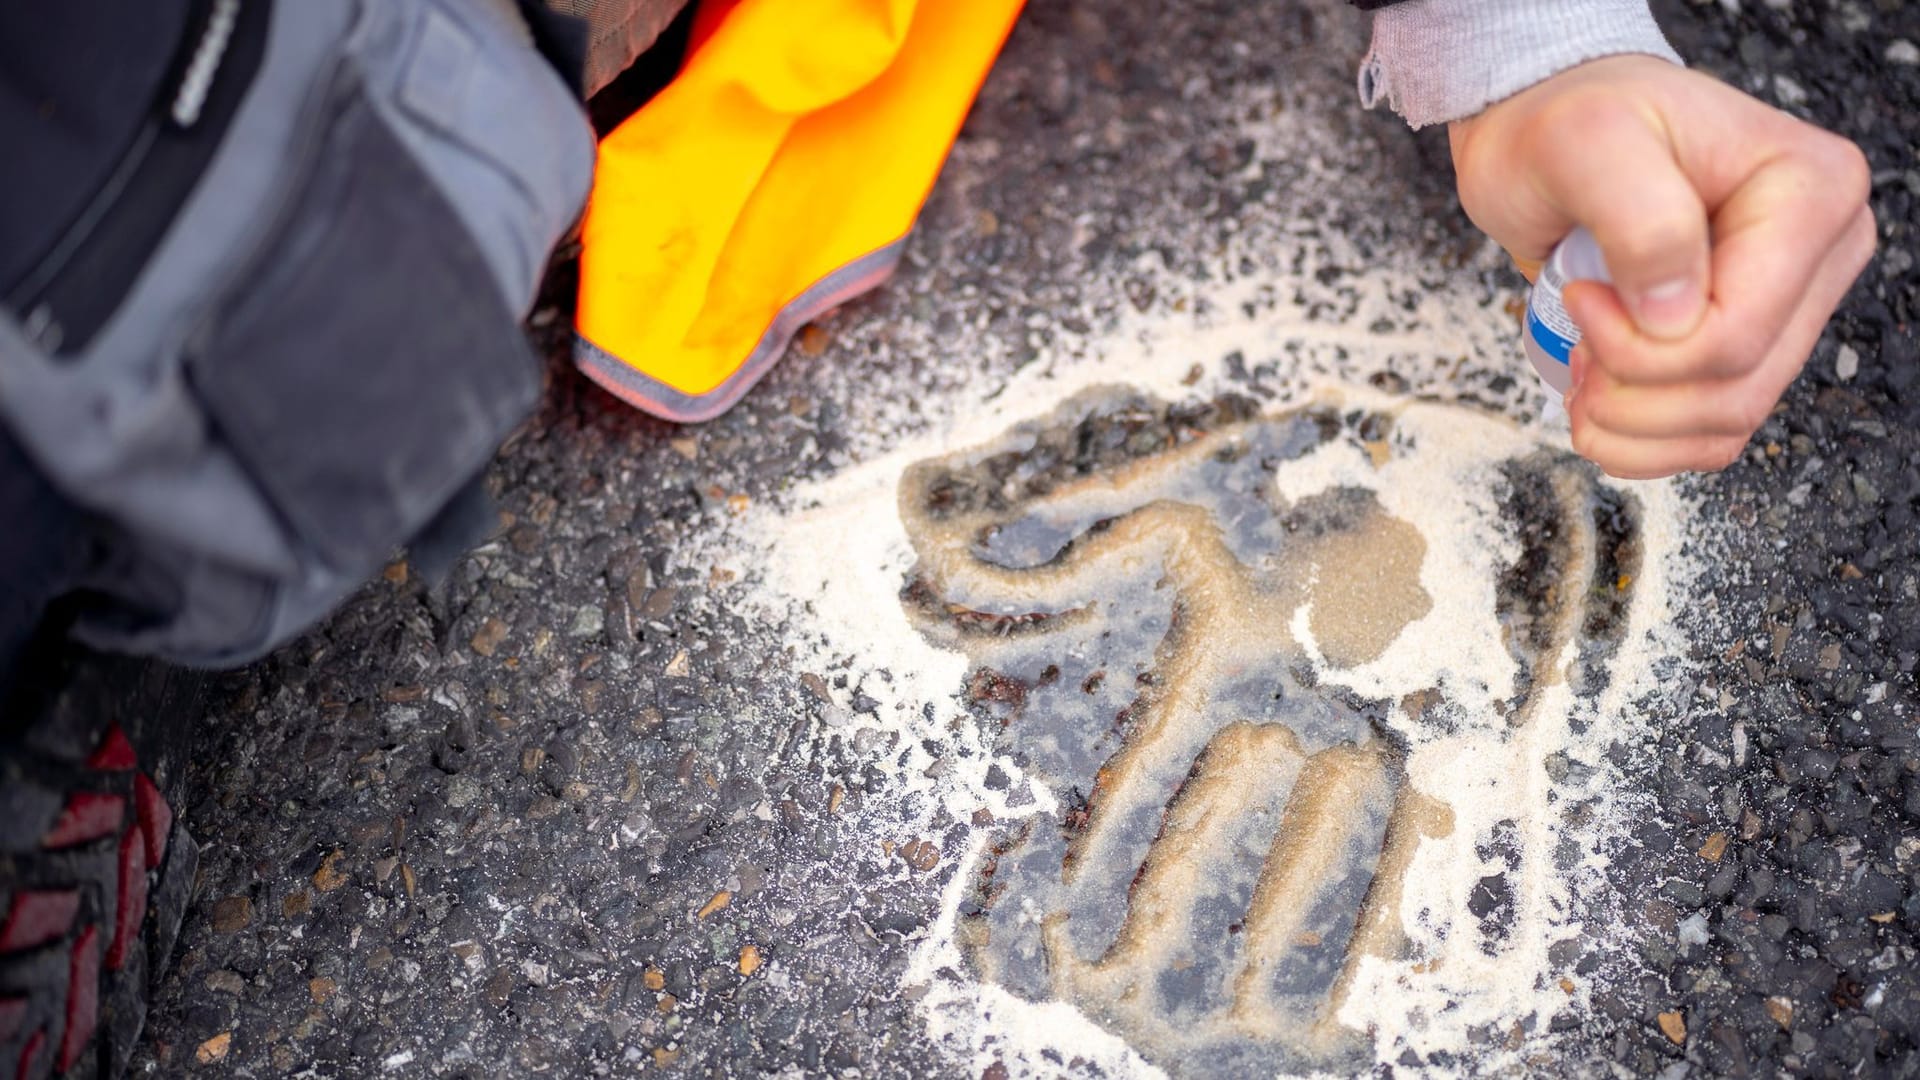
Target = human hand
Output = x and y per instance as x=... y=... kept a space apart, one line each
x=1731 y=229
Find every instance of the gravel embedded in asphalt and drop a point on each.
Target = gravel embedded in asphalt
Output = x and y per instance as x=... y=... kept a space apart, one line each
x=571 y=813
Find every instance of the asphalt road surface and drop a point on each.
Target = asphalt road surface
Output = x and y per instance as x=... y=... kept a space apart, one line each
x=574 y=812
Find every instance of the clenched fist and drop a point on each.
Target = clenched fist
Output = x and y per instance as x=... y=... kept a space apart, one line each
x=1732 y=230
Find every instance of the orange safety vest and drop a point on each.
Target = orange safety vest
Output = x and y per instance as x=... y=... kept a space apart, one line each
x=776 y=177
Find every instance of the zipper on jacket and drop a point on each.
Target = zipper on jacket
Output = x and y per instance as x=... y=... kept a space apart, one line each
x=78 y=285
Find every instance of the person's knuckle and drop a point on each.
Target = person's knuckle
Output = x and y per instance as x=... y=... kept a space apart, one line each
x=1626 y=367
x=1749 y=411
x=1724 y=453
x=1617 y=408
x=1597 y=412
x=1834 y=172
x=1586 y=437
x=1863 y=238
x=1664 y=236
x=1850 y=173
x=1740 y=352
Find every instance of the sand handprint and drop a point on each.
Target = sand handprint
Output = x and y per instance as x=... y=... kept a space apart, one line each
x=1152 y=619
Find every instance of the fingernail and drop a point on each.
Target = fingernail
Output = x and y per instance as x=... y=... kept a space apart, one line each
x=1576 y=370
x=1670 y=309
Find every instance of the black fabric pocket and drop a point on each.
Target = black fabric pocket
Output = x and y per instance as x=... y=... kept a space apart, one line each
x=365 y=366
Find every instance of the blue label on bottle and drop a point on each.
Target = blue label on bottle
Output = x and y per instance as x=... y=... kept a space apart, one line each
x=1553 y=344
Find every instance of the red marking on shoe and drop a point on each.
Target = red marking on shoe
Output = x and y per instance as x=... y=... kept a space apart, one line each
x=83 y=998
x=30 y=1053
x=12 y=1011
x=37 y=918
x=156 y=818
x=131 y=906
x=89 y=815
x=115 y=753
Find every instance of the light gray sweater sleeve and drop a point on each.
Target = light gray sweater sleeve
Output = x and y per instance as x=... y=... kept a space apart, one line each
x=1438 y=60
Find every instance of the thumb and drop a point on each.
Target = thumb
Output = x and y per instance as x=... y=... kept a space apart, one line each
x=1619 y=177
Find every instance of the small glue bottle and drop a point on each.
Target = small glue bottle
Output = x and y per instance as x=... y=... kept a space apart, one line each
x=1550 y=334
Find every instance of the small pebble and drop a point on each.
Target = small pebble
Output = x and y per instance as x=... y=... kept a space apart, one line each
x=720 y=899
x=1903 y=52
x=1715 y=847
x=214 y=1049
x=231 y=914
x=1674 y=1025
x=588 y=621
x=814 y=339
x=922 y=855
x=329 y=876
x=488 y=638
x=1847 y=364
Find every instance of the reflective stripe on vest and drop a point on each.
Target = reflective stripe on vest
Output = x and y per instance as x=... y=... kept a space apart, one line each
x=775 y=178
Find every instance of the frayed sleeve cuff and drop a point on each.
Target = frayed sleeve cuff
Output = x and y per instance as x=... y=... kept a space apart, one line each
x=1433 y=61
